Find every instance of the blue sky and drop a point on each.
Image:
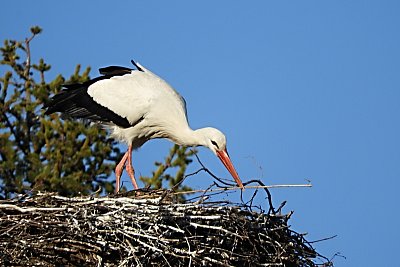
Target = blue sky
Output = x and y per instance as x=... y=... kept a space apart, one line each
x=302 y=89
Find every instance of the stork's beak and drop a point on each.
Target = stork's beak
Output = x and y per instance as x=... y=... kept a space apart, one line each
x=224 y=157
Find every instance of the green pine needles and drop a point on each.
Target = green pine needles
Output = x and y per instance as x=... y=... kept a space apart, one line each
x=179 y=157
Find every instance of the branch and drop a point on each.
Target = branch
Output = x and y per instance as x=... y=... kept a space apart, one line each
x=246 y=187
x=23 y=210
x=322 y=239
x=27 y=90
x=210 y=173
x=16 y=135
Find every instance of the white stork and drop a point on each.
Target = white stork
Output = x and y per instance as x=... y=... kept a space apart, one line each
x=136 y=105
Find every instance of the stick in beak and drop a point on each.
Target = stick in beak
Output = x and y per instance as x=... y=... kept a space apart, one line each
x=224 y=157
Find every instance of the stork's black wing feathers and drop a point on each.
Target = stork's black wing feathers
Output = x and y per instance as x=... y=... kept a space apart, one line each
x=118 y=70
x=114 y=70
x=136 y=65
x=75 y=102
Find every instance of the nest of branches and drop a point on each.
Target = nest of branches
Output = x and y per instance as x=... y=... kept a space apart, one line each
x=151 y=229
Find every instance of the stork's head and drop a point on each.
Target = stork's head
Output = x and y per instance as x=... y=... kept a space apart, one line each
x=215 y=140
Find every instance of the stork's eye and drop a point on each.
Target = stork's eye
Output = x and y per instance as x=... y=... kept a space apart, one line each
x=215 y=144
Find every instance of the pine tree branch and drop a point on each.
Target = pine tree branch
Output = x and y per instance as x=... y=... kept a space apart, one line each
x=16 y=135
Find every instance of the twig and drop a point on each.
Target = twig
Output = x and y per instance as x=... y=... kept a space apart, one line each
x=23 y=210
x=269 y=197
x=186 y=176
x=210 y=173
x=246 y=187
x=322 y=239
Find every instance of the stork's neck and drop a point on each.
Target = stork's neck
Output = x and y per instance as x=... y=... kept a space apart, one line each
x=189 y=137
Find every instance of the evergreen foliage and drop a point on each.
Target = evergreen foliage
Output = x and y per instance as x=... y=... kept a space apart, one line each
x=47 y=153
x=178 y=157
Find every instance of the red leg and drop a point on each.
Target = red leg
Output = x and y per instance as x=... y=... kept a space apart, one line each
x=119 y=169
x=129 y=168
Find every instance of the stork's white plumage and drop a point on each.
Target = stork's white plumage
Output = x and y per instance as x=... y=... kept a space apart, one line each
x=137 y=105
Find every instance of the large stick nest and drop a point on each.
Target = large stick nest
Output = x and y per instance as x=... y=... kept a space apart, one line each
x=50 y=230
